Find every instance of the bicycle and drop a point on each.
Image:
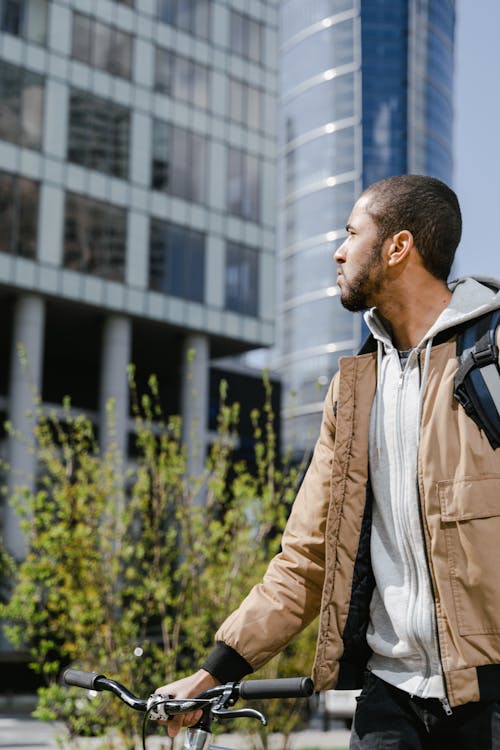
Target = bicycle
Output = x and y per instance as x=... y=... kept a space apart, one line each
x=214 y=703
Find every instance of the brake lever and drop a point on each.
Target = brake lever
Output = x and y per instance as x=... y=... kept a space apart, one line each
x=238 y=713
x=157 y=706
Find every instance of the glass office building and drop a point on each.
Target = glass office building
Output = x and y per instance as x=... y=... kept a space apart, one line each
x=366 y=92
x=137 y=202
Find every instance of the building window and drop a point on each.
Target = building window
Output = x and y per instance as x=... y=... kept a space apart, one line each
x=242 y=279
x=18 y=215
x=94 y=237
x=243 y=184
x=177 y=261
x=98 y=134
x=179 y=162
x=317 y=159
x=25 y=18
x=245 y=104
x=192 y=16
x=102 y=46
x=245 y=36
x=21 y=106
x=181 y=78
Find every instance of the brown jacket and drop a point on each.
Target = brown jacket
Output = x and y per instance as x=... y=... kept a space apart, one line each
x=324 y=567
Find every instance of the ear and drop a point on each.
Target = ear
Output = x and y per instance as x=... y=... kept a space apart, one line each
x=400 y=247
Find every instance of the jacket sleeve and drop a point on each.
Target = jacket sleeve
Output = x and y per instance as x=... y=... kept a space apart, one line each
x=289 y=596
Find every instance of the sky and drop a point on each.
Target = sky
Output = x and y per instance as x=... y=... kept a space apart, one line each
x=477 y=135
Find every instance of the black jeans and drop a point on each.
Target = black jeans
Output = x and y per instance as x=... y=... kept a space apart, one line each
x=387 y=718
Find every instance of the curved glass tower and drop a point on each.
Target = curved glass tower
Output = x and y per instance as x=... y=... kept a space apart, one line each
x=366 y=92
x=321 y=175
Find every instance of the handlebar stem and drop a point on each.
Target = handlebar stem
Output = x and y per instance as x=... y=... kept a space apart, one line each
x=195 y=738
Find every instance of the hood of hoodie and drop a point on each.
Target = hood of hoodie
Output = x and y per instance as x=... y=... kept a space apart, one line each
x=471 y=298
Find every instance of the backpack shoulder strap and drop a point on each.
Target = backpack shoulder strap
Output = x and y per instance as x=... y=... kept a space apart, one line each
x=477 y=380
x=369 y=345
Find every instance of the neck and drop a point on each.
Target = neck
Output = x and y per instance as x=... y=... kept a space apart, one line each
x=411 y=312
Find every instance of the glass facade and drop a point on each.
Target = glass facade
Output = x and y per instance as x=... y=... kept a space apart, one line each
x=177 y=261
x=366 y=92
x=179 y=164
x=242 y=278
x=102 y=46
x=18 y=215
x=26 y=19
x=94 y=237
x=298 y=17
x=21 y=106
x=245 y=104
x=321 y=53
x=438 y=107
x=384 y=25
x=147 y=133
x=407 y=88
x=243 y=184
x=181 y=78
x=245 y=37
x=321 y=111
x=316 y=160
x=190 y=16
x=98 y=134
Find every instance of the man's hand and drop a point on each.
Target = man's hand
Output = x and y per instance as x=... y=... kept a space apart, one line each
x=188 y=687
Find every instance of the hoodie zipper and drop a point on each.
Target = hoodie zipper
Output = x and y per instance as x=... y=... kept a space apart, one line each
x=405 y=521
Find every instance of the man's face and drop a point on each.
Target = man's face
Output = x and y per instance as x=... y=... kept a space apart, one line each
x=359 y=260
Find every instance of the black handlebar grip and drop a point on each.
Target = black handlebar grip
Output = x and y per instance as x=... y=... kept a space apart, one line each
x=82 y=679
x=287 y=687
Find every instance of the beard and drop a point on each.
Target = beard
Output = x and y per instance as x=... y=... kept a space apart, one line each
x=356 y=293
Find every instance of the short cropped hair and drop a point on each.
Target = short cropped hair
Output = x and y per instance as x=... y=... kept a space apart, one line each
x=427 y=208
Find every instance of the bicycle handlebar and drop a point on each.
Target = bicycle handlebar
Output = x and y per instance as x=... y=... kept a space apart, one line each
x=214 y=703
x=289 y=687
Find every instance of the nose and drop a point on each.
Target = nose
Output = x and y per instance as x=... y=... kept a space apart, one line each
x=339 y=254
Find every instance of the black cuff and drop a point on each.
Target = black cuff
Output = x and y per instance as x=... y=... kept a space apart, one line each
x=225 y=664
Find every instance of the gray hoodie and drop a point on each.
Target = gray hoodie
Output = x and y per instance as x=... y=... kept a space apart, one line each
x=402 y=632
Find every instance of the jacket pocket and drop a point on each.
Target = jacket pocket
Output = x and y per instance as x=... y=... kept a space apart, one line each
x=470 y=518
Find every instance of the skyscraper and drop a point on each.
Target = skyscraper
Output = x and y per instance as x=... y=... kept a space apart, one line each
x=366 y=92
x=137 y=175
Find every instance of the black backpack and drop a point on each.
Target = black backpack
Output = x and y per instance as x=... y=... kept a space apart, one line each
x=477 y=380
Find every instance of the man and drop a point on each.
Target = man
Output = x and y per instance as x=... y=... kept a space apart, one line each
x=394 y=537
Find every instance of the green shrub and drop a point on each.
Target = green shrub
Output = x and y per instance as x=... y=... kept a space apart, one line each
x=129 y=570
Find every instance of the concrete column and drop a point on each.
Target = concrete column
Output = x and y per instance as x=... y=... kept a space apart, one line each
x=194 y=400
x=25 y=382
x=115 y=358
